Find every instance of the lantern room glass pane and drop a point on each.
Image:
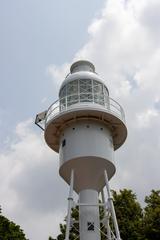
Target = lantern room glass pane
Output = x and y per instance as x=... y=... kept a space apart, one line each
x=97 y=87
x=83 y=90
x=86 y=97
x=69 y=94
x=98 y=92
x=62 y=104
x=106 y=97
x=72 y=93
x=85 y=86
x=72 y=88
x=63 y=92
x=72 y=99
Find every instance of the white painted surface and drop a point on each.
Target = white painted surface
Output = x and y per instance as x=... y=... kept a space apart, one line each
x=82 y=65
x=85 y=126
x=88 y=150
x=89 y=214
x=81 y=75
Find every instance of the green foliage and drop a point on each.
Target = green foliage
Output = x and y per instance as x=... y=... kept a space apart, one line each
x=50 y=238
x=134 y=222
x=102 y=227
x=129 y=214
x=74 y=233
x=9 y=230
x=152 y=216
x=75 y=227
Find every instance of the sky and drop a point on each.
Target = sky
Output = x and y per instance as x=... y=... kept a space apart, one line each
x=39 y=41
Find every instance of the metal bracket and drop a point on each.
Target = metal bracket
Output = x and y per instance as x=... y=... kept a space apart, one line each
x=40 y=119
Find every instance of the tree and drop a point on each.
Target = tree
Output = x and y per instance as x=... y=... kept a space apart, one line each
x=152 y=216
x=129 y=214
x=50 y=238
x=74 y=232
x=9 y=230
x=134 y=222
x=75 y=226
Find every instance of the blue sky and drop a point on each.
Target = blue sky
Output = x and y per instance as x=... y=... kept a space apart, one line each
x=39 y=41
x=35 y=34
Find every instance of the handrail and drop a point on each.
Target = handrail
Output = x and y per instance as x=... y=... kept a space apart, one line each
x=77 y=100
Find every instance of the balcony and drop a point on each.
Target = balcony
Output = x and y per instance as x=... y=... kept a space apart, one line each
x=84 y=101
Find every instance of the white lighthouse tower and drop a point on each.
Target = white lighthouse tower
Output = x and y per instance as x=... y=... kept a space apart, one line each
x=85 y=126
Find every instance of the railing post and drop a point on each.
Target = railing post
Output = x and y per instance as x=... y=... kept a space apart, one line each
x=78 y=92
x=66 y=102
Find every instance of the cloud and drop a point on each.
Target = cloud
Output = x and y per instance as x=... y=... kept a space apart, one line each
x=150 y=19
x=57 y=73
x=29 y=180
x=146 y=118
x=124 y=46
x=44 y=100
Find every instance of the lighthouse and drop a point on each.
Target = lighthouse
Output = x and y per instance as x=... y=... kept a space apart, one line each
x=85 y=126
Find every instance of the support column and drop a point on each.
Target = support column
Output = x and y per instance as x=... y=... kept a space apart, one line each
x=89 y=215
x=70 y=204
x=110 y=200
x=106 y=215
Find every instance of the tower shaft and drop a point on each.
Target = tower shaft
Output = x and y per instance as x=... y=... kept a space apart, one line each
x=89 y=222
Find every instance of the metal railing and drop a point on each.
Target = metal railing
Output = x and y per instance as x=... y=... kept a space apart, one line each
x=85 y=100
